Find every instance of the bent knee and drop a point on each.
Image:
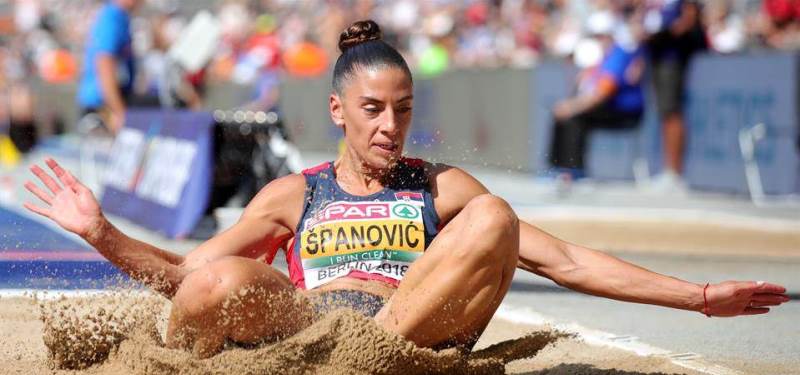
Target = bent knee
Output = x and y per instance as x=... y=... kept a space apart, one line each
x=209 y=284
x=491 y=213
x=491 y=232
x=198 y=288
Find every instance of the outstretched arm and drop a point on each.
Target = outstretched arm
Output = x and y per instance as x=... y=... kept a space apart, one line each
x=597 y=273
x=73 y=206
x=265 y=225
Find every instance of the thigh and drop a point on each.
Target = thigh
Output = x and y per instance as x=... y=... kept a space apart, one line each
x=244 y=299
x=466 y=272
x=449 y=242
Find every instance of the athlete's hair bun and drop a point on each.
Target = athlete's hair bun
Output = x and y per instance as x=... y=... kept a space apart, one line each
x=359 y=32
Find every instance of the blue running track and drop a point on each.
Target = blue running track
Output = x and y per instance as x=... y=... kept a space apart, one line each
x=34 y=256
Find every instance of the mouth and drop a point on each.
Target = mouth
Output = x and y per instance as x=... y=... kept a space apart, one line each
x=387 y=147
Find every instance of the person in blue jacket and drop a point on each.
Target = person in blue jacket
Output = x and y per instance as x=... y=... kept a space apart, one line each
x=608 y=95
x=108 y=64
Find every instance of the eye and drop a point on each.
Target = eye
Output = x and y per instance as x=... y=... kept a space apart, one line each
x=371 y=109
x=404 y=109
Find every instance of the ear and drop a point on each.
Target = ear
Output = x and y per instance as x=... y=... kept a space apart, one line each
x=337 y=112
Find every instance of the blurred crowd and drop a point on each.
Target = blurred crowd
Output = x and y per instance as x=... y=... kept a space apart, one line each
x=46 y=37
x=253 y=42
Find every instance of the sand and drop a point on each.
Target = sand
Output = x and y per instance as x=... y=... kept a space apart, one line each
x=123 y=333
x=678 y=237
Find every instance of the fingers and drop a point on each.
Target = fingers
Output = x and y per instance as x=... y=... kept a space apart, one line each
x=39 y=210
x=46 y=179
x=765 y=287
x=66 y=178
x=764 y=297
x=755 y=311
x=768 y=299
x=39 y=193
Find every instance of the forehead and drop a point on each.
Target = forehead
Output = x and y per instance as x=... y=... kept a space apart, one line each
x=384 y=83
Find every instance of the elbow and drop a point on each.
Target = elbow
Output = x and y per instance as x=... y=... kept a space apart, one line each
x=562 y=281
x=567 y=276
x=568 y=273
x=168 y=282
x=187 y=265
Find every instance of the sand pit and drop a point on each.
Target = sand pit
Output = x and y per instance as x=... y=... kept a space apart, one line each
x=123 y=333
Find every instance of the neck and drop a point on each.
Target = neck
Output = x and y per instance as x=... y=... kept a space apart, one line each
x=357 y=176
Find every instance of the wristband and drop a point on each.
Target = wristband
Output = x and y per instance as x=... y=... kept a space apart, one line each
x=705 y=300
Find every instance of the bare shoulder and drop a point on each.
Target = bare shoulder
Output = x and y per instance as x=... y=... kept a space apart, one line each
x=280 y=200
x=268 y=221
x=452 y=188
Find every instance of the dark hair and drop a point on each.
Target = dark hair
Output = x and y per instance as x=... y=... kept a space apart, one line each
x=362 y=47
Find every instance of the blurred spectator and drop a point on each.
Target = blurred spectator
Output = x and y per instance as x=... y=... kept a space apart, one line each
x=19 y=63
x=563 y=24
x=482 y=32
x=675 y=35
x=108 y=64
x=265 y=39
x=265 y=43
x=305 y=59
x=434 y=35
x=608 y=93
x=781 y=28
x=330 y=22
x=725 y=29
x=21 y=127
x=162 y=78
x=20 y=104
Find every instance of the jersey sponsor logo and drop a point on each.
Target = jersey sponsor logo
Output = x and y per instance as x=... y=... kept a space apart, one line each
x=349 y=211
x=362 y=236
x=405 y=211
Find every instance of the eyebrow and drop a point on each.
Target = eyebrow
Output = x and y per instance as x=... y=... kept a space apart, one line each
x=371 y=99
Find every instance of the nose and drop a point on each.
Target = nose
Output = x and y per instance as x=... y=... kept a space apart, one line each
x=389 y=124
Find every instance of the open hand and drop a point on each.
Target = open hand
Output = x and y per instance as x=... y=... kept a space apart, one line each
x=733 y=298
x=70 y=204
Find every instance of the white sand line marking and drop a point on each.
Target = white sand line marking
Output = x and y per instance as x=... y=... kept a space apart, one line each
x=650 y=215
x=692 y=361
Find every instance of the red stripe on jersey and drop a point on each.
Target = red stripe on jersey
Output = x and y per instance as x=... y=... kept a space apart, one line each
x=317 y=169
x=414 y=162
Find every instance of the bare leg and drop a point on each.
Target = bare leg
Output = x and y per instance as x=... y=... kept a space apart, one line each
x=237 y=298
x=674 y=140
x=452 y=291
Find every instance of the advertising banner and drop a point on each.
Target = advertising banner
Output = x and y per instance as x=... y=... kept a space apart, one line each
x=727 y=94
x=160 y=169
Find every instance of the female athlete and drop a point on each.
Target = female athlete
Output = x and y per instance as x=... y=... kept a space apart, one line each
x=422 y=248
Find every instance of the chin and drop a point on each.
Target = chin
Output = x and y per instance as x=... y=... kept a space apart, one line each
x=383 y=162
